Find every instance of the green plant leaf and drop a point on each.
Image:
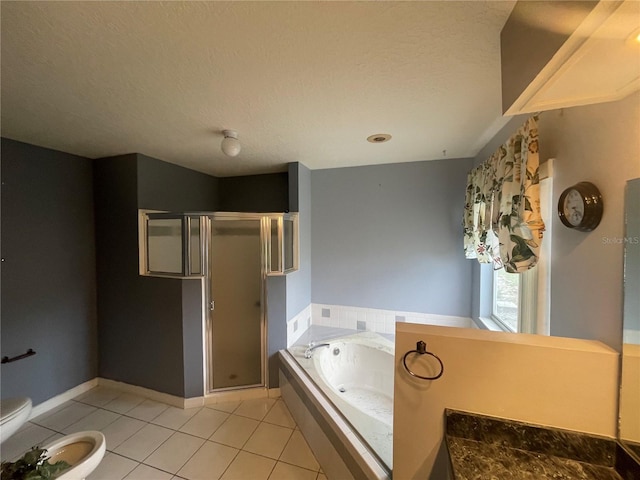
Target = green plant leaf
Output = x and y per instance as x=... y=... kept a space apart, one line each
x=33 y=465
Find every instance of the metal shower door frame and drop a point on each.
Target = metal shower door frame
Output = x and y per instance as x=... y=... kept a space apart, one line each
x=209 y=306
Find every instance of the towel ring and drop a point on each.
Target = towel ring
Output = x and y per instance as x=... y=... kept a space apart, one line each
x=421 y=349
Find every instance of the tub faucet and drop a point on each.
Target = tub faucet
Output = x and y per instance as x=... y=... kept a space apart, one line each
x=312 y=346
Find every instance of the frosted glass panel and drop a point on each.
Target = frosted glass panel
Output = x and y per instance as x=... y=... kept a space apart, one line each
x=288 y=244
x=275 y=256
x=195 y=246
x=236 y=282
x=164 y=247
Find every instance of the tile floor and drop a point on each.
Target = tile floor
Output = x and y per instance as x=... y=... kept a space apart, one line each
x=147 y=440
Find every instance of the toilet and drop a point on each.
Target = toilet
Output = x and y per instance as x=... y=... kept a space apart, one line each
x=82 y=450
x=13 y=413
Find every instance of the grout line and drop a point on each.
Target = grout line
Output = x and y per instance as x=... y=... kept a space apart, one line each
x=299 y=466
x=230 y=463
x=272 y=469
x=174 y=431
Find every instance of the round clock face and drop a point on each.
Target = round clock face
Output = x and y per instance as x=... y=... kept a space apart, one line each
x=573 y=207
x=580 y=207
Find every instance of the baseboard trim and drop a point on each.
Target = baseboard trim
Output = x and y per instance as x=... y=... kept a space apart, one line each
x=62 y=398
x=167 y=398
x=275 y=393
x=241 y=394
x=173 y=400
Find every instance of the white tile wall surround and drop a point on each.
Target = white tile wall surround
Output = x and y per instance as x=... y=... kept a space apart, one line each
x=299 y=324
x=377 y=320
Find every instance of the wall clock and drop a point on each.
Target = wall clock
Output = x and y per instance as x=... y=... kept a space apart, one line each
x=580 y=207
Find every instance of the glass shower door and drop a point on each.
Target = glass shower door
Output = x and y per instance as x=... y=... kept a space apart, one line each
x=237 y=327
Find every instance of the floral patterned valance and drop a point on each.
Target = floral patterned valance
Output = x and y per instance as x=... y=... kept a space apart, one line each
x=502 y=222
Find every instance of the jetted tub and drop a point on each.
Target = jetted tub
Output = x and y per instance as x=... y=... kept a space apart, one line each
x=356 y=374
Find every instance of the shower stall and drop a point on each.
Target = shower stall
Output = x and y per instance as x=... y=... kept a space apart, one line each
x=232 y=254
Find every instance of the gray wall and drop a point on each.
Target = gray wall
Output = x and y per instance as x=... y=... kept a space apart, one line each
x=48 y=271
x=277 y=324
x=288 y=295
x=539 y=28
x=192 y=339
x=299 y=283
x=151 y=328
x=599 y=144
x=164 y=186
x=148 y=335
x=254 y=193
x=390 y=237
x=596 y=143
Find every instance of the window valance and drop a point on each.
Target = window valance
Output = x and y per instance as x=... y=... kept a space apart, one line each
x=502 y=222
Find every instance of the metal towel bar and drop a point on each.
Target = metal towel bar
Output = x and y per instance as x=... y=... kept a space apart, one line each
x=421 y=349
x=6 y=359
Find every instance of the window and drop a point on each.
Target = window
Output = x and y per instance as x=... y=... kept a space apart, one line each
x=506 y=299
x=521 y=302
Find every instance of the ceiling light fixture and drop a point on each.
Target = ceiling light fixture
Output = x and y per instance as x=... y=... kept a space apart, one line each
x=230 y=143
x=379 y=138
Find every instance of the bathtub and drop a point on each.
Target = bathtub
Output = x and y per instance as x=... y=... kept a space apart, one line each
x=350 y=396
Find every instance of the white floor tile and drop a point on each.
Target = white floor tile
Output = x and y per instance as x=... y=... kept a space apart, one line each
x=209 y=462
x=235 y=431
x=204 y=423
x=228 y=407
x=175 y=452
x=94 y=421
x=297 y=452
x=124 y=403
x=248 y=466
x=65 y=417
x=144 y=442
x=256 y=408
x=112 y=467
x=145 y=472
x=174 y=417
x=98 y=396
x=147 y=410
x=28 y=436
x=48 y=413
x=268 y=440
x=120 y=430
x=280 y=415
x=284 y=471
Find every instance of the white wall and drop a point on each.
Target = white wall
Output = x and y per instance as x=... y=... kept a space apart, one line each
x=561 y=382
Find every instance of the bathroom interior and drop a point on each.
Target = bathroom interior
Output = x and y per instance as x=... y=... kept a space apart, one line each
x=299 y=274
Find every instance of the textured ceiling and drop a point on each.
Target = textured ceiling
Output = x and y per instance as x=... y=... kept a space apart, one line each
x=300 y=81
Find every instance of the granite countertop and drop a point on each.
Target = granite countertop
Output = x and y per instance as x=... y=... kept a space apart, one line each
x=482 y=448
